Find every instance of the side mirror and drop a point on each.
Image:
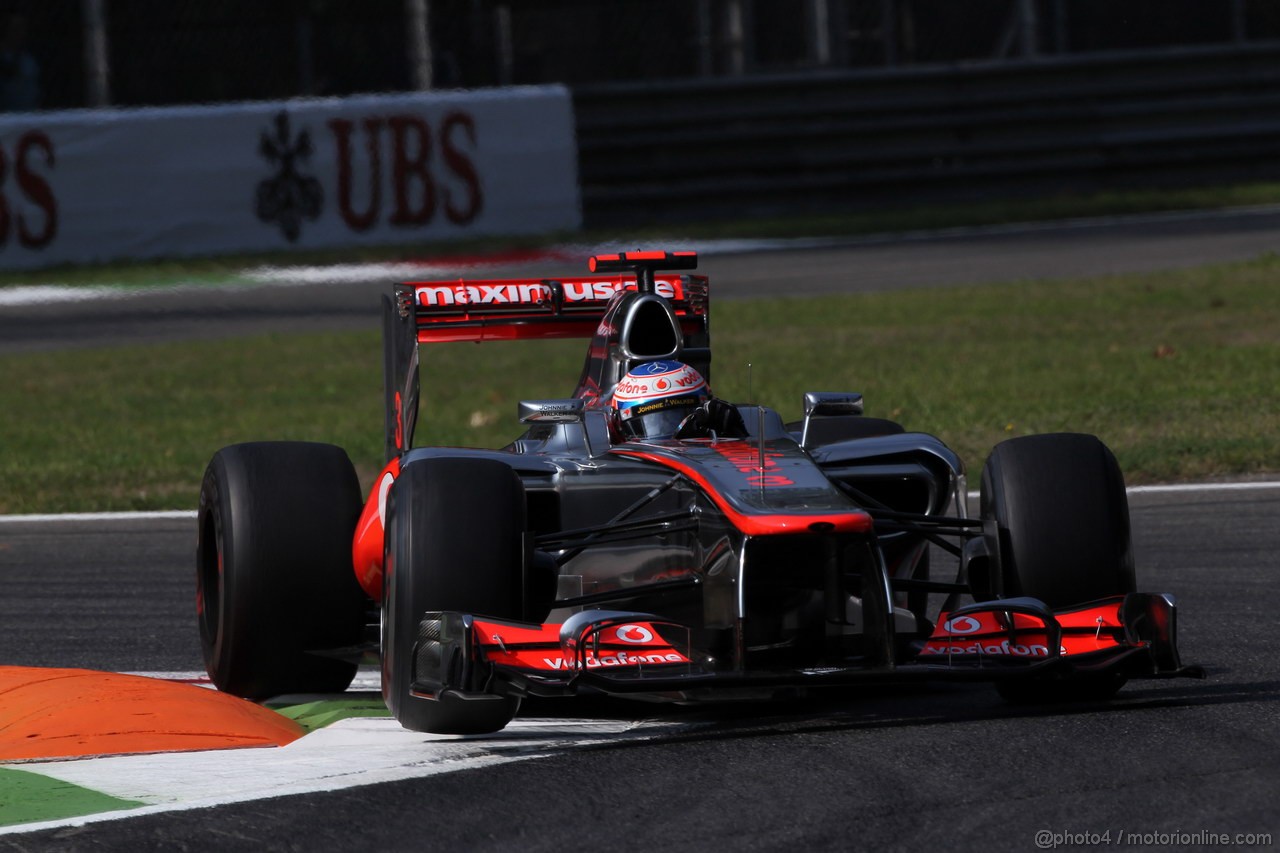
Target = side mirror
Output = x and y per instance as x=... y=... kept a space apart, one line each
x=567 y=411
x=828 y=403
x=823 y=403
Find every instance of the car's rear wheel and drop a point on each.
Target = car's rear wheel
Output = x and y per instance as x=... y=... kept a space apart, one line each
x=1062 y=521
x=454 y=542
x=275 y=588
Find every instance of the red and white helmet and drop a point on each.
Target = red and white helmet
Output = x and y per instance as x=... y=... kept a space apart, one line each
x=654 y=398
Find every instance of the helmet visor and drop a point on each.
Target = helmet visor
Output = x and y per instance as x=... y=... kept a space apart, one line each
x=658 y=419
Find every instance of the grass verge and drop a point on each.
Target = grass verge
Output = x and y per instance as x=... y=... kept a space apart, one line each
x=27 y=797
x=1178 y=372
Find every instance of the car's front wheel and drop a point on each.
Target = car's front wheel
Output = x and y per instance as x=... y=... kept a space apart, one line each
x=454 y=543
x=1061 y=517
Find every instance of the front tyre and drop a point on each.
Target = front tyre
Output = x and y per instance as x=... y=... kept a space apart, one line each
x=1062 y=521
x=274 y=581
x=454 y=542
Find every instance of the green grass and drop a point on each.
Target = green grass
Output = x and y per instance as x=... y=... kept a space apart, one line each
x=326 y=712
x=1178 y=372
x=27 y=797
x=224 y=269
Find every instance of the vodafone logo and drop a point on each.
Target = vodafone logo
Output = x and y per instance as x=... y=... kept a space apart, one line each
x=633 y=634
x=1004 y=648
x=962 y=625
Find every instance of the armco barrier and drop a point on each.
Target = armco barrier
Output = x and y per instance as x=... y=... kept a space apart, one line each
x=813 y=142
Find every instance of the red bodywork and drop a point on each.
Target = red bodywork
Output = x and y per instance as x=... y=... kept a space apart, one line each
x=635 y=644
x=1092 y=628
x=532 y=308
x=366 y=550
x=962 y=643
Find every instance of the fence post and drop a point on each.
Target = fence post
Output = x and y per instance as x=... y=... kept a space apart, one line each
x=736 y=37
x=418 y=31
x=97 y=70
x=818 y=15
x=506 y=44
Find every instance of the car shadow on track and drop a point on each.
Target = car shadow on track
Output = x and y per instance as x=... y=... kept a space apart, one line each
x=902 y=707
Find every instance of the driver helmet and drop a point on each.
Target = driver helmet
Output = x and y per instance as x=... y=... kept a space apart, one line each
x=654 y=398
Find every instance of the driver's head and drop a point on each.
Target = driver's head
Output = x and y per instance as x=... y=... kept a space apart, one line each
x=653 y=398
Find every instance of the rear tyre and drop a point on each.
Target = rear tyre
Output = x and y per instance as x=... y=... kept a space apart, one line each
x=274 y=581
x=1062 y=521
x=454 y=542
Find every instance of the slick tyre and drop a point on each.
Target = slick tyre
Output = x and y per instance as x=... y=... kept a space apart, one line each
x=1062 y=517
x=274 y=584
x=1062 y=520
x=454 y=542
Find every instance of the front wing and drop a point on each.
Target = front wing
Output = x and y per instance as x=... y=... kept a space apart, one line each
x=620 y=652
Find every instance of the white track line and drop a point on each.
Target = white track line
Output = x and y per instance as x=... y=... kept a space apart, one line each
x=101 y=516
x=286 y=275
x=1173 y=488
x=1205 y=487
x=367 y=680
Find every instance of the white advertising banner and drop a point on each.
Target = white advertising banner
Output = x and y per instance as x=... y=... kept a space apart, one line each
x=96 y=185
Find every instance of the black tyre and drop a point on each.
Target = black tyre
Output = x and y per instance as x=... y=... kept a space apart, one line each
x=454 y=542
x=1062 y=518
x=274 y=578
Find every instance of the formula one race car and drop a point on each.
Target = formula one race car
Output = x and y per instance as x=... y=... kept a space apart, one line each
x=644 y=538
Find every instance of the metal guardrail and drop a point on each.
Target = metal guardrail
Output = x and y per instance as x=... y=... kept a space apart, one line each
x=860 y=140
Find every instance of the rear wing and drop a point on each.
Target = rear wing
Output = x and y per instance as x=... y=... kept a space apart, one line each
x=521 y=309
x=428 y=312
